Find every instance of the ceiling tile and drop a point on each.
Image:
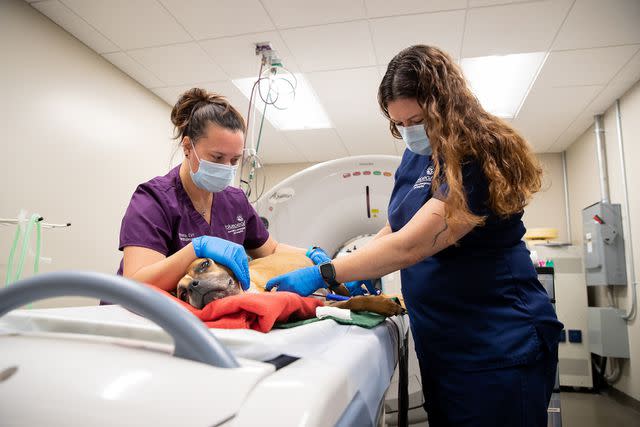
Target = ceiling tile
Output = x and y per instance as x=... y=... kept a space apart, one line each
x=236 y=55
x=630 y=73
x=547 y=112
x=179 y=64
x=594 y=23
x=572 y=133
x=223 y=87
x=443 y=29
x=171 y=94
x=584 y=66
x=481 y=3
x=274 y=148
x=348 y=93
x=75 y=25
x=205 y=19
x=333 y=46
x=317 y=145
x=133 y=69
x=131 y=24
x=350 y=98
x=513 y=28
x=368 y=137
x=296 y=13
x=606 y=99
x=380 y=8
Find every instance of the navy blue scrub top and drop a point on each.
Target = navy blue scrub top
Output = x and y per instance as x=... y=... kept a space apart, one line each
x=476 y=305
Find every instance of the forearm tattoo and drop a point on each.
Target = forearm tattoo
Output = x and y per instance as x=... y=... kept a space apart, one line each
x=445 y=228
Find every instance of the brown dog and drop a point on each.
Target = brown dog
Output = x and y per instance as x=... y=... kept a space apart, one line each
x=207 y=281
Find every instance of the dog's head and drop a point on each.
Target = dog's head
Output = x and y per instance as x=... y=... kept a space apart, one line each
x=206 y=281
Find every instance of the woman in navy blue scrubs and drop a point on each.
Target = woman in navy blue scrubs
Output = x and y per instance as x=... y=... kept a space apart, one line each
x=485 y=332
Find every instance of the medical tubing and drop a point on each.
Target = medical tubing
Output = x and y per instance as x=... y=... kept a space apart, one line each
x=252 y=174
x=25 y=246
x=246 y=135
x=193 y=340
x=264 y=111
x=16 y=237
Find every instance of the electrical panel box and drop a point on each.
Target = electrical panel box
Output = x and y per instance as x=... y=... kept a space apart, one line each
x=603 y=245
x=608 y=332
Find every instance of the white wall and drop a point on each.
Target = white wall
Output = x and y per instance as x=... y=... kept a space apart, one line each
x=584 y=190
x=78 y=136
x=547 y=207
x=275 y=173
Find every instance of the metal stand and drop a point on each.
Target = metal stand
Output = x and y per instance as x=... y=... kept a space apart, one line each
x=403 y=383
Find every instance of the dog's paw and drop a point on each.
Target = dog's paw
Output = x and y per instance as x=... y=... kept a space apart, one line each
x=387 y=307
x=375 y=304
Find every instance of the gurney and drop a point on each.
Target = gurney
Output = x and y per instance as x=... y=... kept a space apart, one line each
x=104 y=365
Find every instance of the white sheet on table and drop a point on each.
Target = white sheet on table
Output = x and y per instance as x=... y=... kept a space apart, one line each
x=369 y=355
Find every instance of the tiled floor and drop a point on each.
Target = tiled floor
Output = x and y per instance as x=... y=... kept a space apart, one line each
x=591 y=410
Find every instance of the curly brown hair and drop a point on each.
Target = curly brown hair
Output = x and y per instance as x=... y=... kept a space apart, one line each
x=461 y=130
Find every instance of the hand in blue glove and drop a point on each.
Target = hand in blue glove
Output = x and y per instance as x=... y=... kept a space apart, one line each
x=229 y=254
x=317 y=255
x=355 y=287
x=303 y=281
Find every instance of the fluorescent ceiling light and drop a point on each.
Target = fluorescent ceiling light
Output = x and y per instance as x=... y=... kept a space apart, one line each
x=501 y=83
x=302 y=111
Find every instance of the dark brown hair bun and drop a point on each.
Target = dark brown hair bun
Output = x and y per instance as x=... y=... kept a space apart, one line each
x=197 y=107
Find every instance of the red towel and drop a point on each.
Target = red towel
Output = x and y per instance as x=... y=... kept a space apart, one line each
x=254 y=311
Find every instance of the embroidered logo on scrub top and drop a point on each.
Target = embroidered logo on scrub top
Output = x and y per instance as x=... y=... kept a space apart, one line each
x=186 y=237
x=238 y=227
x=425 y=179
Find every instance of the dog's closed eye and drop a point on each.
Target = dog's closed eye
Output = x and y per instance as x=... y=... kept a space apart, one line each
x=203 y=267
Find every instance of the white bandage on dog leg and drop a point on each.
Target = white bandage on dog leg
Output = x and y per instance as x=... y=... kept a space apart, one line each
x=338 y=313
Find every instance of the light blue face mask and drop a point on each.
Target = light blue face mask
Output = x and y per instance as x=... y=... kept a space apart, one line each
x=416 y=139
x=212 y=177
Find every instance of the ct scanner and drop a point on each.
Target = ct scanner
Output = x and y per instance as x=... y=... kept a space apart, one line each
x=338 y=205
x=331 y=202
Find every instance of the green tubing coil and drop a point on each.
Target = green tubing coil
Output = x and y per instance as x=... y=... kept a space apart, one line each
x=24 y=237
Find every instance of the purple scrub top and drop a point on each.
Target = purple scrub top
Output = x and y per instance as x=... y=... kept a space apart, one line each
x=161 y=217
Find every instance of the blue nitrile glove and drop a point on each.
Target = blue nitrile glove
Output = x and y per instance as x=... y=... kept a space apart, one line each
x=303 y=281
x=317 y=255
x=229 y=254
x=355 y=287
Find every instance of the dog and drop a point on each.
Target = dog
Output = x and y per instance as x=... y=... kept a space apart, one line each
x=207 y=281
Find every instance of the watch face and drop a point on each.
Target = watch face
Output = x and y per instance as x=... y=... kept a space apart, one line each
x=327 y=272
x=324 y=271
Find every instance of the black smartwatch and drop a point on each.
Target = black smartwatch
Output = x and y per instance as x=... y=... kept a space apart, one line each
x=328 y=273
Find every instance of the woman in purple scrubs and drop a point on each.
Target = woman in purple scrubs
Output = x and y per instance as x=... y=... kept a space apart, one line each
x=192 y=211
